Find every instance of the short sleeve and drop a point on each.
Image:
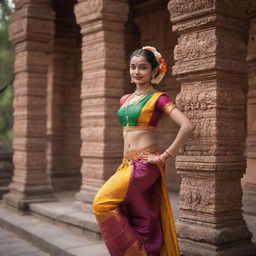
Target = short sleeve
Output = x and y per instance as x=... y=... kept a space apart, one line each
x=165 y=104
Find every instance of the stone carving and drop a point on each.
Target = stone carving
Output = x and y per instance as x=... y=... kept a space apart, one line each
x=92 y=10
x=178 y=8
x=199 y=22
x=196 y=46
x=92 y=6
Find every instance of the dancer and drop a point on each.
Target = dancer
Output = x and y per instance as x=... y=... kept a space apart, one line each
x=133 y=208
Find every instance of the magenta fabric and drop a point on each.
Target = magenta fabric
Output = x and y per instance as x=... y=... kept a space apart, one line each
x=115 y=241
x=159 y=108
x=162 y=101
x=142 y=206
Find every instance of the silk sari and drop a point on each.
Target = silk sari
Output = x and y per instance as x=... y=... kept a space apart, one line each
x=134 y=212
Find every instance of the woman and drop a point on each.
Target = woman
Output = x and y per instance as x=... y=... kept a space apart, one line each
x=132 y=207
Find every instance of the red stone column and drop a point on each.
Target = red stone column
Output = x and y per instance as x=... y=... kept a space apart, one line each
x=249 y=180
x=103 y=64
x=31 y=29
x=210 y=63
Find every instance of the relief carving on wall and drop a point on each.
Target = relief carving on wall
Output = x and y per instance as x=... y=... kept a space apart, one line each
x=197 y=194
x=196 y=45
x=90 y=6
x=181 y=7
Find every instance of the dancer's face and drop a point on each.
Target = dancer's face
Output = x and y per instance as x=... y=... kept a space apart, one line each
x=140 y=70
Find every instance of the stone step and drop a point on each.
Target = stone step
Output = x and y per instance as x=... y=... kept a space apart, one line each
x=63 y=214
x=11 y=244
x=52 y=239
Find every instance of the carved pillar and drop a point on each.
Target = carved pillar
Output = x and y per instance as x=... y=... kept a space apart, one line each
x=210 y=64
x=249 y=180
x=103 y=64
x=31 y=29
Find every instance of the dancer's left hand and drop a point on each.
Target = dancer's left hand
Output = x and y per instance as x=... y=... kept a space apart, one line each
x=153 y=159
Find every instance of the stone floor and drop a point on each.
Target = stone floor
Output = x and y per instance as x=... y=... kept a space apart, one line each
x=12 y=245
x=56 y=238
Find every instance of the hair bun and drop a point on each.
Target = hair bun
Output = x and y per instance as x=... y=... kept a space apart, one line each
x=162 y=68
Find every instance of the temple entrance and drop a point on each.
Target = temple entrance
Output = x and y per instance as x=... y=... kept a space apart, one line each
x=63 y=100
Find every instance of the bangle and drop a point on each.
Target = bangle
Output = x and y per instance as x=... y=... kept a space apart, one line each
x=159 y=160
x=159 y=157
x=168 y=153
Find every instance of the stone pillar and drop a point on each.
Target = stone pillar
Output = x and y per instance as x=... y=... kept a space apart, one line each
x=210 y=63
x=31 y=29
x=103 y=64
x=249 y=180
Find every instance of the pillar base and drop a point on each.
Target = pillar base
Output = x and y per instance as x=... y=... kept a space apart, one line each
x=240 y=248
x=211 y=241
x=84 y=200
x=21 y=202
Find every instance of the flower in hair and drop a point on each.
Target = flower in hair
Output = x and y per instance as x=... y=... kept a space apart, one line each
x=162 y=68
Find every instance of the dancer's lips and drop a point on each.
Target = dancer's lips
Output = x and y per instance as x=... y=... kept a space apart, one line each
x=137 y=77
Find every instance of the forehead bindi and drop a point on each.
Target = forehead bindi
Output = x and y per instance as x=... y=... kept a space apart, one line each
x=140 y=60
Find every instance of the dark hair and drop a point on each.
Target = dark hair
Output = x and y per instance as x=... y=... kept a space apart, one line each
x=148 y=55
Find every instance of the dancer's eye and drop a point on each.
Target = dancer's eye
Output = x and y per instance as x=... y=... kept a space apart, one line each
x=143 y=67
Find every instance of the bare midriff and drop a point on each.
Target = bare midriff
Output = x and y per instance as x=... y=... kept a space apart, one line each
x=138 y=140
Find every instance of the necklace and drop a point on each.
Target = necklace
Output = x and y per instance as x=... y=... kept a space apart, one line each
x=138 y=93
x=127 y=111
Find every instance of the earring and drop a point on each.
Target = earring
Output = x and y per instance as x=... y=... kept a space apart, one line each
x=132 y=81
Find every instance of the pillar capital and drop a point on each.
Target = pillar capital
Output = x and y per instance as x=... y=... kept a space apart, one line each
x=198 y=14
x=32 y=21
x=91 y=11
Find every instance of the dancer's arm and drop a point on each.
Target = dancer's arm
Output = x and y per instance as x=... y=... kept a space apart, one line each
x=186 y=128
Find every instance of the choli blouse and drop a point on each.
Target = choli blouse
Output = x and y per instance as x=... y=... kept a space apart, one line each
x=145 y=114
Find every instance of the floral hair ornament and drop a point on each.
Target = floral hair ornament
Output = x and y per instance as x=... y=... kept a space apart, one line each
x=162 y=68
